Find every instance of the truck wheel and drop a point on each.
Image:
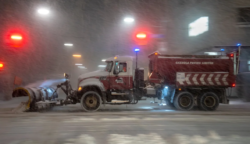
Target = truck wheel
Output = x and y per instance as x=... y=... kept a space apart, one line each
x=209 y=101
x=91 y=101
x=184 y=101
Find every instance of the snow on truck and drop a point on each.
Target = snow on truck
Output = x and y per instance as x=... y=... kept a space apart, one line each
x=182 y=81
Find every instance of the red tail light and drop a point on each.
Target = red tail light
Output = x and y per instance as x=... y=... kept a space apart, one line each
x=233 y=85
x=1 y=65
x=231 y=55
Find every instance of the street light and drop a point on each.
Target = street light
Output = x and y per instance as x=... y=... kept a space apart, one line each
x=77 y=55
x=43 y=11
x=128 y=20
x=78 y=64
x=68 y=44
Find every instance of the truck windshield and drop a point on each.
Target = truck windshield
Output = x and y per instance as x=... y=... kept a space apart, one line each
x=109 y=66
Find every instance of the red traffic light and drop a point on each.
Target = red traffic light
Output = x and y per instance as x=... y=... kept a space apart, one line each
x=16 y=37
x=141 y=36
x=16 y=40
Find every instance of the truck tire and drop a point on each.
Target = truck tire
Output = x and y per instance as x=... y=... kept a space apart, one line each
x=184 y=101
x=91 y=101
x=209 y=101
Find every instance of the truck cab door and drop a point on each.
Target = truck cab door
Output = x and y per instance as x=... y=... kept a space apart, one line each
x=121 y=79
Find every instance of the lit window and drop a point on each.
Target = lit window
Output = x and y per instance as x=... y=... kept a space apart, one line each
x=243 y=16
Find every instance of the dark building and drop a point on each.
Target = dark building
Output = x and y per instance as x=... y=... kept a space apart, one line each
x=228 y=23
x=211 y=27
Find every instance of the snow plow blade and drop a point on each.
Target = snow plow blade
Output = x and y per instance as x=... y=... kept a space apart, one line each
x=34 y=99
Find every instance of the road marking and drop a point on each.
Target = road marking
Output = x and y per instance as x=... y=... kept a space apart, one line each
x=214 y=135
x=152 y=138
x=119 y=119
x=82 y=139
x=80 y=120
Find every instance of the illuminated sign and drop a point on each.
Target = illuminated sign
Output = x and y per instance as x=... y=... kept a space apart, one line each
x=198 y=27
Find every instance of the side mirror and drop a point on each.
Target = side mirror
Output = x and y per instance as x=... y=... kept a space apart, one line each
x=66 y=76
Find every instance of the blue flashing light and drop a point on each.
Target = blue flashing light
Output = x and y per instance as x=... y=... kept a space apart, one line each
x=137 y=50
x=238 y=44
x=166 y=87
x=222 y=49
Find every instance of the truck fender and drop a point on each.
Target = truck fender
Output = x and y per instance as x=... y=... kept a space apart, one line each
x=92 y=82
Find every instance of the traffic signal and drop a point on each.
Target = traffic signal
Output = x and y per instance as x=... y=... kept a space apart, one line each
x=16 y=37
x=15 y=40
x=141 y=38
x=1 y=66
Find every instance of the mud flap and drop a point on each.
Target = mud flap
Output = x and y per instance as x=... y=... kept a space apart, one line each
x=224 y=99
x=172 y=93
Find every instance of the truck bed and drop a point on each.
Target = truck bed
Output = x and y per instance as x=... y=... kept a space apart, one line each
x=189 y=70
